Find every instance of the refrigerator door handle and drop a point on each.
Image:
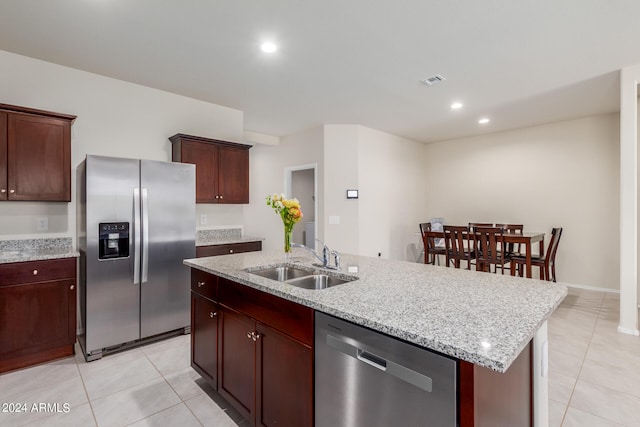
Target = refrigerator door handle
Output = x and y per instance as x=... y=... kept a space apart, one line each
x=136 y=236
x=145 y=237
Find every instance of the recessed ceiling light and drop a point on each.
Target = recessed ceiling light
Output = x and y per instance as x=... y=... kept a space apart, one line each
x=268 y=47
x=484 y=121
x=457 y=105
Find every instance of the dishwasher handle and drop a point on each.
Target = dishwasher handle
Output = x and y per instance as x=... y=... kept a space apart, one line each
x=394 y=369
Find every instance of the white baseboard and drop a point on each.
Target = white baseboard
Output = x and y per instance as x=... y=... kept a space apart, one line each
x=592 y=288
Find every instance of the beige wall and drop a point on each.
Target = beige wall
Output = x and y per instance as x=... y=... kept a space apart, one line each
x=268 y=163
x=115 y=118
x=341 y=174
x=563 y=174
x=390 y=175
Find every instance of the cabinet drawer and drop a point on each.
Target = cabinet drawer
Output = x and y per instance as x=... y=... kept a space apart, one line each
x=286 y=316
x=232 y=248
x=37 y=271
x=204 y=284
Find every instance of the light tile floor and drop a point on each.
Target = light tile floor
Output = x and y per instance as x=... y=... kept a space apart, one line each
x=594 y=380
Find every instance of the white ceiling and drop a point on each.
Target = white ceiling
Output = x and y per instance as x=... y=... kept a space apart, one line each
x=519 y=62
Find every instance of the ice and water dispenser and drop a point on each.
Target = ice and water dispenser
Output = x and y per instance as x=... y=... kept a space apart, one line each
x=113 y=240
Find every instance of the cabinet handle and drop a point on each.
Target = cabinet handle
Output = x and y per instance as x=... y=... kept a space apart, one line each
x=35 y=272
x=217 y=197
x=12 y=191
x=201 y=284
x=256 y=336
x=230 y=251
x=72 y=287
x=3 y=191
x=249 y=334
x=221 y=196
x=213 y=314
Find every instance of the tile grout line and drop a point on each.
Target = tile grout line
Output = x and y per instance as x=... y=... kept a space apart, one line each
x=593 y=331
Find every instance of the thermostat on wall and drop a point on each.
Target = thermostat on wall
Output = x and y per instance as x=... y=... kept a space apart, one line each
x=352 y=194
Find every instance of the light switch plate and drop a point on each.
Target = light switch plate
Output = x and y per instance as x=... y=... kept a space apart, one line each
x=334 y=219
x=203 y=219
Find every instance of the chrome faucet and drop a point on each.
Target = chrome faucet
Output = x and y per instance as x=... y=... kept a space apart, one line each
x=326 y=254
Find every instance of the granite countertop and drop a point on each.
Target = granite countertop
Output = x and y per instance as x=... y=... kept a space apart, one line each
x=223 y=237
x=486 y=319
x=36 y=249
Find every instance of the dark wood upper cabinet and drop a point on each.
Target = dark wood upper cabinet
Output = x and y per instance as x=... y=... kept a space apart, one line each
x=222 y=168
x=35 y=155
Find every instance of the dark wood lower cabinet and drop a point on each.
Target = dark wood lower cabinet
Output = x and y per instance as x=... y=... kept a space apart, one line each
x=284 y=384
x=37 y=312
x=204 y=337
x=236 y=367
x=488 y=398
x=264 y=350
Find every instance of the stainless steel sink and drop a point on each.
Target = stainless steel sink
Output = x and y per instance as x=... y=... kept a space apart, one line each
x=281 y=273
x=317 y=281
x=300 y=277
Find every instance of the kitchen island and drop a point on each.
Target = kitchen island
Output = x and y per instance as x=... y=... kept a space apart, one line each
x=482 y=320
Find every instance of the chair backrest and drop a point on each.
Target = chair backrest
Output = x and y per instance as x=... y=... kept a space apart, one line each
x=514 y=229
x=556 y=233
x=474 y=225
x=437 y=224
x=511 y=228
x=424 y=227
x=454 y=239
x=489 y=240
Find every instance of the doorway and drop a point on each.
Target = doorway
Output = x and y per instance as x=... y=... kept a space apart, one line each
x=301 y=183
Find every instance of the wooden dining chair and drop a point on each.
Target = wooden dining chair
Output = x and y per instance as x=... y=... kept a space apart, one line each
x=457 y=246
x=429 y=240
x=546 y=263
x=474 y=225
x=512 y=248
x=488 y=244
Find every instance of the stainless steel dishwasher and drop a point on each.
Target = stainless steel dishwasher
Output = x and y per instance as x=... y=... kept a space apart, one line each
x=364 y=378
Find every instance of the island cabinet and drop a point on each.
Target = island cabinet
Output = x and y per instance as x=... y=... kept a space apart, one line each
x=222 y=168
x=35 y=155
x=264 y=352
x=488 y=398
x=37 y=312
x=204 y=325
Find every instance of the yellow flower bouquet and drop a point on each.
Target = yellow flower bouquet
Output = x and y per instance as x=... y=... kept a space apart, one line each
x=290 y=212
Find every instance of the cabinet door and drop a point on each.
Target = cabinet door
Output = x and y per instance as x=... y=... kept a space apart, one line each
x=205 y=157
x=204 y=337
x=38 y=158
x=233 y=176
x=3 y=156
x=236 y=367
x=38 y=322
x=284 y=380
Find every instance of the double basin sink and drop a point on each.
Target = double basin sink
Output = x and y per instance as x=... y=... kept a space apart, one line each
x=301 y=277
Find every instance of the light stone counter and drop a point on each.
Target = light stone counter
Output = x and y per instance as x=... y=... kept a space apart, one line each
x=486 y=319
x=36 y=249
x=223 y=237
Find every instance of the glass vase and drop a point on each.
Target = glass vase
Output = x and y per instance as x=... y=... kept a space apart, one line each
x=288 y=233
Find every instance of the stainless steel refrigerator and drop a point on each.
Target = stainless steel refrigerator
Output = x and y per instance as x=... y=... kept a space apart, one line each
x=136 y=223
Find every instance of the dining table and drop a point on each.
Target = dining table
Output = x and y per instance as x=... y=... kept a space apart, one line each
x=526 y=238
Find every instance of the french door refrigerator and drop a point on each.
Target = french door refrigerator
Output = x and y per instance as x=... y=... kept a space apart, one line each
x=136 y=223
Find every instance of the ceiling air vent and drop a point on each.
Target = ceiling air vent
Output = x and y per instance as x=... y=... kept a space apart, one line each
x=433 y=80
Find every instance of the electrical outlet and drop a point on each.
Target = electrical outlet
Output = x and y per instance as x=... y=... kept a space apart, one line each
x=42 y=223
x=203 y=219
